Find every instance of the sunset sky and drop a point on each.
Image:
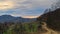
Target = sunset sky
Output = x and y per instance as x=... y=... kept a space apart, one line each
x=24 y=8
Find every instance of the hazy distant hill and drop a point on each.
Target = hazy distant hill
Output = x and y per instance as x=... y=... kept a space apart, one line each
x=9 y=18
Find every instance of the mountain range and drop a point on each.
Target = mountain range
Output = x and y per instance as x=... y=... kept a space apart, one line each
x=9 y=18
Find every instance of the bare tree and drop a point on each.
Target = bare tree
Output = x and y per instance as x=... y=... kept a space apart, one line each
x=56 y=5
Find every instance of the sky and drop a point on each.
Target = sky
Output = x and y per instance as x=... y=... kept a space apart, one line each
x=24 y=8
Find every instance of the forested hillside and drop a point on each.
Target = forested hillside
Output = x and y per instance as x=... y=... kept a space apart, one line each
x=52 y=19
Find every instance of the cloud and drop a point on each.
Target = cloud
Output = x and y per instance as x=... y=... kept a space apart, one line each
x=30 y=16
x=28 y=7
x=29 y=4
x=32 y=4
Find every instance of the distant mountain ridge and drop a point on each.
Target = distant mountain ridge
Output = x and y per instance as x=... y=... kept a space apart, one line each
x=9 y=18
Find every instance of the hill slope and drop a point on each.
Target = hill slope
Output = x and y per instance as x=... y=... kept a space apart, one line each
x=52 y=19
